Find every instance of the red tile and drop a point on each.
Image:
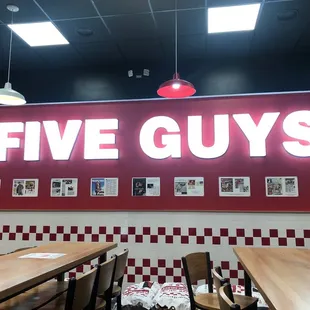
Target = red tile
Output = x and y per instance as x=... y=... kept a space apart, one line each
x=233 y=274
x=33 y=229
x=241 y=282
x=138 y=270
x=154 y=271
x=161 y=231
x=80 y=237
x=240 y=267
x=169 y=272
x=19 y=228
x=225 y=265
x=300 y=242
x=146 y=277
x=192 y=232
x=208 y=232
x=184 y=239
x=117 y=230
x=39 y=237
x=109 y=238
x=282 y=242
x=146 y=231
x=161 y=279
x=131 y=230
x=249 y=241
x=139 y=239
x=95 y=238
x=176 y=231
x=169 y=239
x=25 y=236
x=200 y=240
x=66 y=237
x=6 y=228
x=216 y=240
x=53 y=237
x=72 y=274
x=88 y=230
x=46 y=229
x=232 y=240
x=177 y=263
x=177 y=279
x=146 y=263
x=240 y=232
x=12 y=236
x=162 y=263
x=102 y=230
x=307 y=233
x=60 y=230
x=182 y=272
x=131 y=278
x=124 y=238
x=265 y=241
x=154 y=239
x=290 y=233
x=224 y=232
x=273 y=233
x=80 y=268
x=74 y=230
x=131 y=262
x=257 y=232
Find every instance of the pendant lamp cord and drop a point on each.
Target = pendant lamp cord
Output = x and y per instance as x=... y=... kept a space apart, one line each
x=10 y=51
x=176 y=37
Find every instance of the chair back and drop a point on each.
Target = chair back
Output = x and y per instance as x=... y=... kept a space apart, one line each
x=226 y=298
x=107 y=271
x=80 y=291
x=121 y=263
x=197 y=266
x=219 y=281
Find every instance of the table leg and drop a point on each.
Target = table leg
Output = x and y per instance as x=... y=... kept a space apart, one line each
x=61 y=277
x=103 y=258
x=247 y=284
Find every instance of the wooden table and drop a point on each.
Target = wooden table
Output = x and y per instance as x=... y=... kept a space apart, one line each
x=281 y=275
x=20 y=274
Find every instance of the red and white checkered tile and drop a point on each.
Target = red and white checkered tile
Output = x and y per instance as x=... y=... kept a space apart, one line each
x=154 y=251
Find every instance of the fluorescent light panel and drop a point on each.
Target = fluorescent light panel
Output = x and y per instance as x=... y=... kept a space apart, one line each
x=39 y=34
x=233 y=18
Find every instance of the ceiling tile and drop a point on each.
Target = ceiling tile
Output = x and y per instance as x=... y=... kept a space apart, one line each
x=148 y=49
x=118 y=7
x=28 y=12
x=162 y=5
x=69 y=29
x=66 y=9
x=5 y=38
x=272 y=34
x=131 y=26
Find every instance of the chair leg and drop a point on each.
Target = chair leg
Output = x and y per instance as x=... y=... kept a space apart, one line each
x=119 y=302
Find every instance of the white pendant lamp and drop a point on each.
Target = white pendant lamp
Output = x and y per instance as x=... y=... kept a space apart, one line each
x=8 y=96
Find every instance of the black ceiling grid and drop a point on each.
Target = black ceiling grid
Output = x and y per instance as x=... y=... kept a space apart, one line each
x=126 y=32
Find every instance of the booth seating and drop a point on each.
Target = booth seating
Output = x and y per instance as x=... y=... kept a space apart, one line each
x=244 y=302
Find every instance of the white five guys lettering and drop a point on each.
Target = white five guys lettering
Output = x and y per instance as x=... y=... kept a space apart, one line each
x=99 y=133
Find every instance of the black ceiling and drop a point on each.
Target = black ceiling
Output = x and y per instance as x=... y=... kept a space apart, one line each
x=127 y=31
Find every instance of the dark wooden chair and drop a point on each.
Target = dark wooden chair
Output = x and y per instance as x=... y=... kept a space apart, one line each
x=227 y=299
x=197 y=266
x=245 y=302
x=106 y=284
x=121 y=263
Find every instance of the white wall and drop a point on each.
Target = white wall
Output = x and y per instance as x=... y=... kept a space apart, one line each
x=157 y=241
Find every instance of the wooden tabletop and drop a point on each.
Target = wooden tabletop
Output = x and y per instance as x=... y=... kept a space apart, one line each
x=18 y=274
x=281 y=275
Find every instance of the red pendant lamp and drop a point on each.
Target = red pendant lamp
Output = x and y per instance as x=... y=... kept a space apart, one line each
x=176 y=88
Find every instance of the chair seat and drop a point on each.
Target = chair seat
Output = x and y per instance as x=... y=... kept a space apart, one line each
x=37 y=296
x=100 y=304
x=210 y=301
x=116 y=290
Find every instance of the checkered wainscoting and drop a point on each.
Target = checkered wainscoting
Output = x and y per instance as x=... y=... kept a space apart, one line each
x=166 y=265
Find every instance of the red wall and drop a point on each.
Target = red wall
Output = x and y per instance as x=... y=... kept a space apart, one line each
x=134 y=163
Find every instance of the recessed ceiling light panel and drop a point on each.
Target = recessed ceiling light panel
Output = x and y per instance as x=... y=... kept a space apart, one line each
x=233 y=18
x=39 y=34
